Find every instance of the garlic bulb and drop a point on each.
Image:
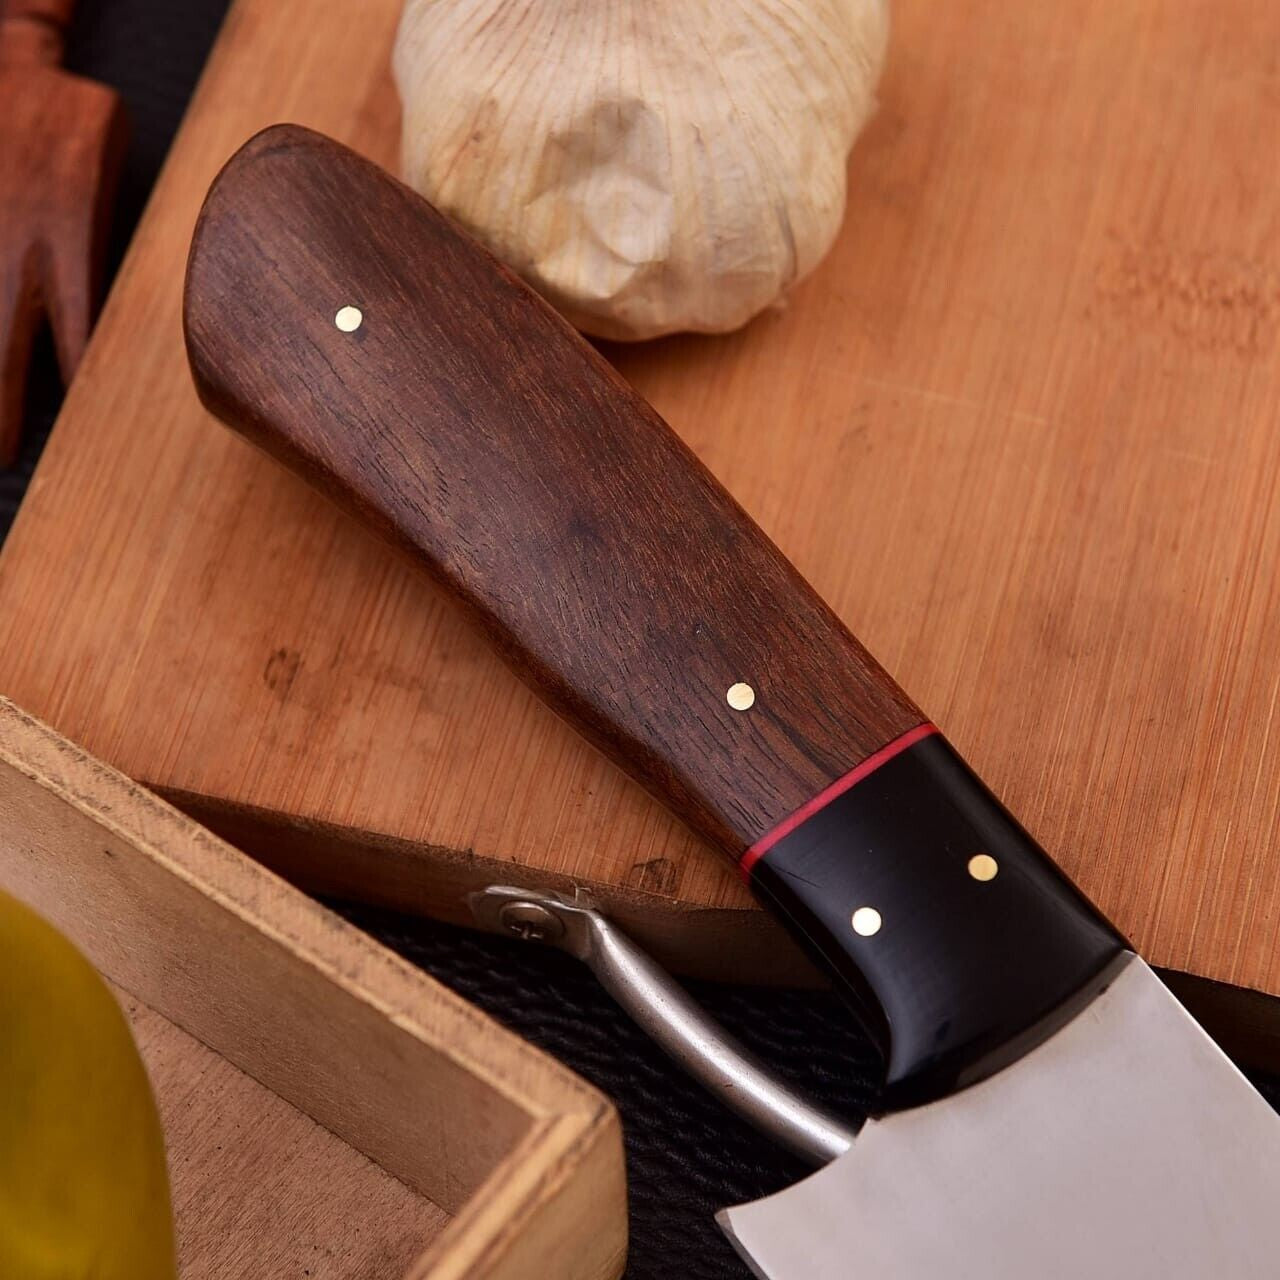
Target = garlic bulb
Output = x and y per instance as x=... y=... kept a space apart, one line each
x=648 y=165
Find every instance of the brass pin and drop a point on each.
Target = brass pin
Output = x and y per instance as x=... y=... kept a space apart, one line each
x=349 y=319
x=866 y=922
x=982 y=866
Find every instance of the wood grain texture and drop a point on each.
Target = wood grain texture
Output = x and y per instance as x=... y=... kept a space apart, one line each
x=1019 y=429
x=60 y=153
x=473 y=429
x=259 y=1188
x=299 y=1063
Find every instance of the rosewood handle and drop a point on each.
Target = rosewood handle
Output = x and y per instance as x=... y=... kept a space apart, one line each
x=476 y=431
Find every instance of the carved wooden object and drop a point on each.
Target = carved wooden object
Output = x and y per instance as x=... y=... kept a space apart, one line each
x=61 y=145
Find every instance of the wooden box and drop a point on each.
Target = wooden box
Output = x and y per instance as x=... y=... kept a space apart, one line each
x=330 y=1111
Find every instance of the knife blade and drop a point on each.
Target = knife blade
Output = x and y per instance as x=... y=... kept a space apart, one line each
x=344 y=325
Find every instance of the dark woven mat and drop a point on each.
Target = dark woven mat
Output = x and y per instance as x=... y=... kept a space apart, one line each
x=686 y=1156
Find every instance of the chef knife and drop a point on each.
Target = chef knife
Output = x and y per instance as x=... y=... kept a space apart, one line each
x=1049 y=1109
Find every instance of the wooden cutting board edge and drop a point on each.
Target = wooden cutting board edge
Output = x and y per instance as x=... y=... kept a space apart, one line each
x=434 y=881
x=734 y=945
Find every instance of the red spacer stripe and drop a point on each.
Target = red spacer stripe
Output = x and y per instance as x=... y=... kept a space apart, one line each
x=828 y=794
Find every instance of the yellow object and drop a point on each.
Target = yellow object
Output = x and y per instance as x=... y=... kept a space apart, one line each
x=84 y=1193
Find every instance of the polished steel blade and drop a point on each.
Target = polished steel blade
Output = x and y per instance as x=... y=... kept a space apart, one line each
x=1127 y=1145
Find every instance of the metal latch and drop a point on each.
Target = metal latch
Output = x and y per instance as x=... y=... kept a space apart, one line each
x=665 y=1012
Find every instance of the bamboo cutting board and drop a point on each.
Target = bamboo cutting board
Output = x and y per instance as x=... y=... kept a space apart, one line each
x=1022 y=428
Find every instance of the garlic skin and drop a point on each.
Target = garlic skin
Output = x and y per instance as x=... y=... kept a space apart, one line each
x=648 y=166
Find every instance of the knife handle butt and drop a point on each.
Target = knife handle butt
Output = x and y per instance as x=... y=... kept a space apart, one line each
x=342 y=324
x=339 y=322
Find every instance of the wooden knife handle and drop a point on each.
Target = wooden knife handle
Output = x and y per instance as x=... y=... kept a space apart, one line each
x=341 y=323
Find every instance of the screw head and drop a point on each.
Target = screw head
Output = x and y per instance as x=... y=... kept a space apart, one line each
x=530 y=921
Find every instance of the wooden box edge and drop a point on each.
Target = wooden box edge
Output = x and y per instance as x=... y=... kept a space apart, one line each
x=555 y=1199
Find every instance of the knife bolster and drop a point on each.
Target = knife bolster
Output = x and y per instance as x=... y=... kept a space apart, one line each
x=956 y=939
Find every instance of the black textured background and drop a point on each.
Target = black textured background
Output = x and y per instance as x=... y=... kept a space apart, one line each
x=686 y=1156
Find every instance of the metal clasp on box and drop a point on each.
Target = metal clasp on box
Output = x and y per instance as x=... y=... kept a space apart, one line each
x=664 y=1011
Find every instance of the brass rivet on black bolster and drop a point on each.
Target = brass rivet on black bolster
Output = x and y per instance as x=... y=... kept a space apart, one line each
x=866 y=922
x=982 y=866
